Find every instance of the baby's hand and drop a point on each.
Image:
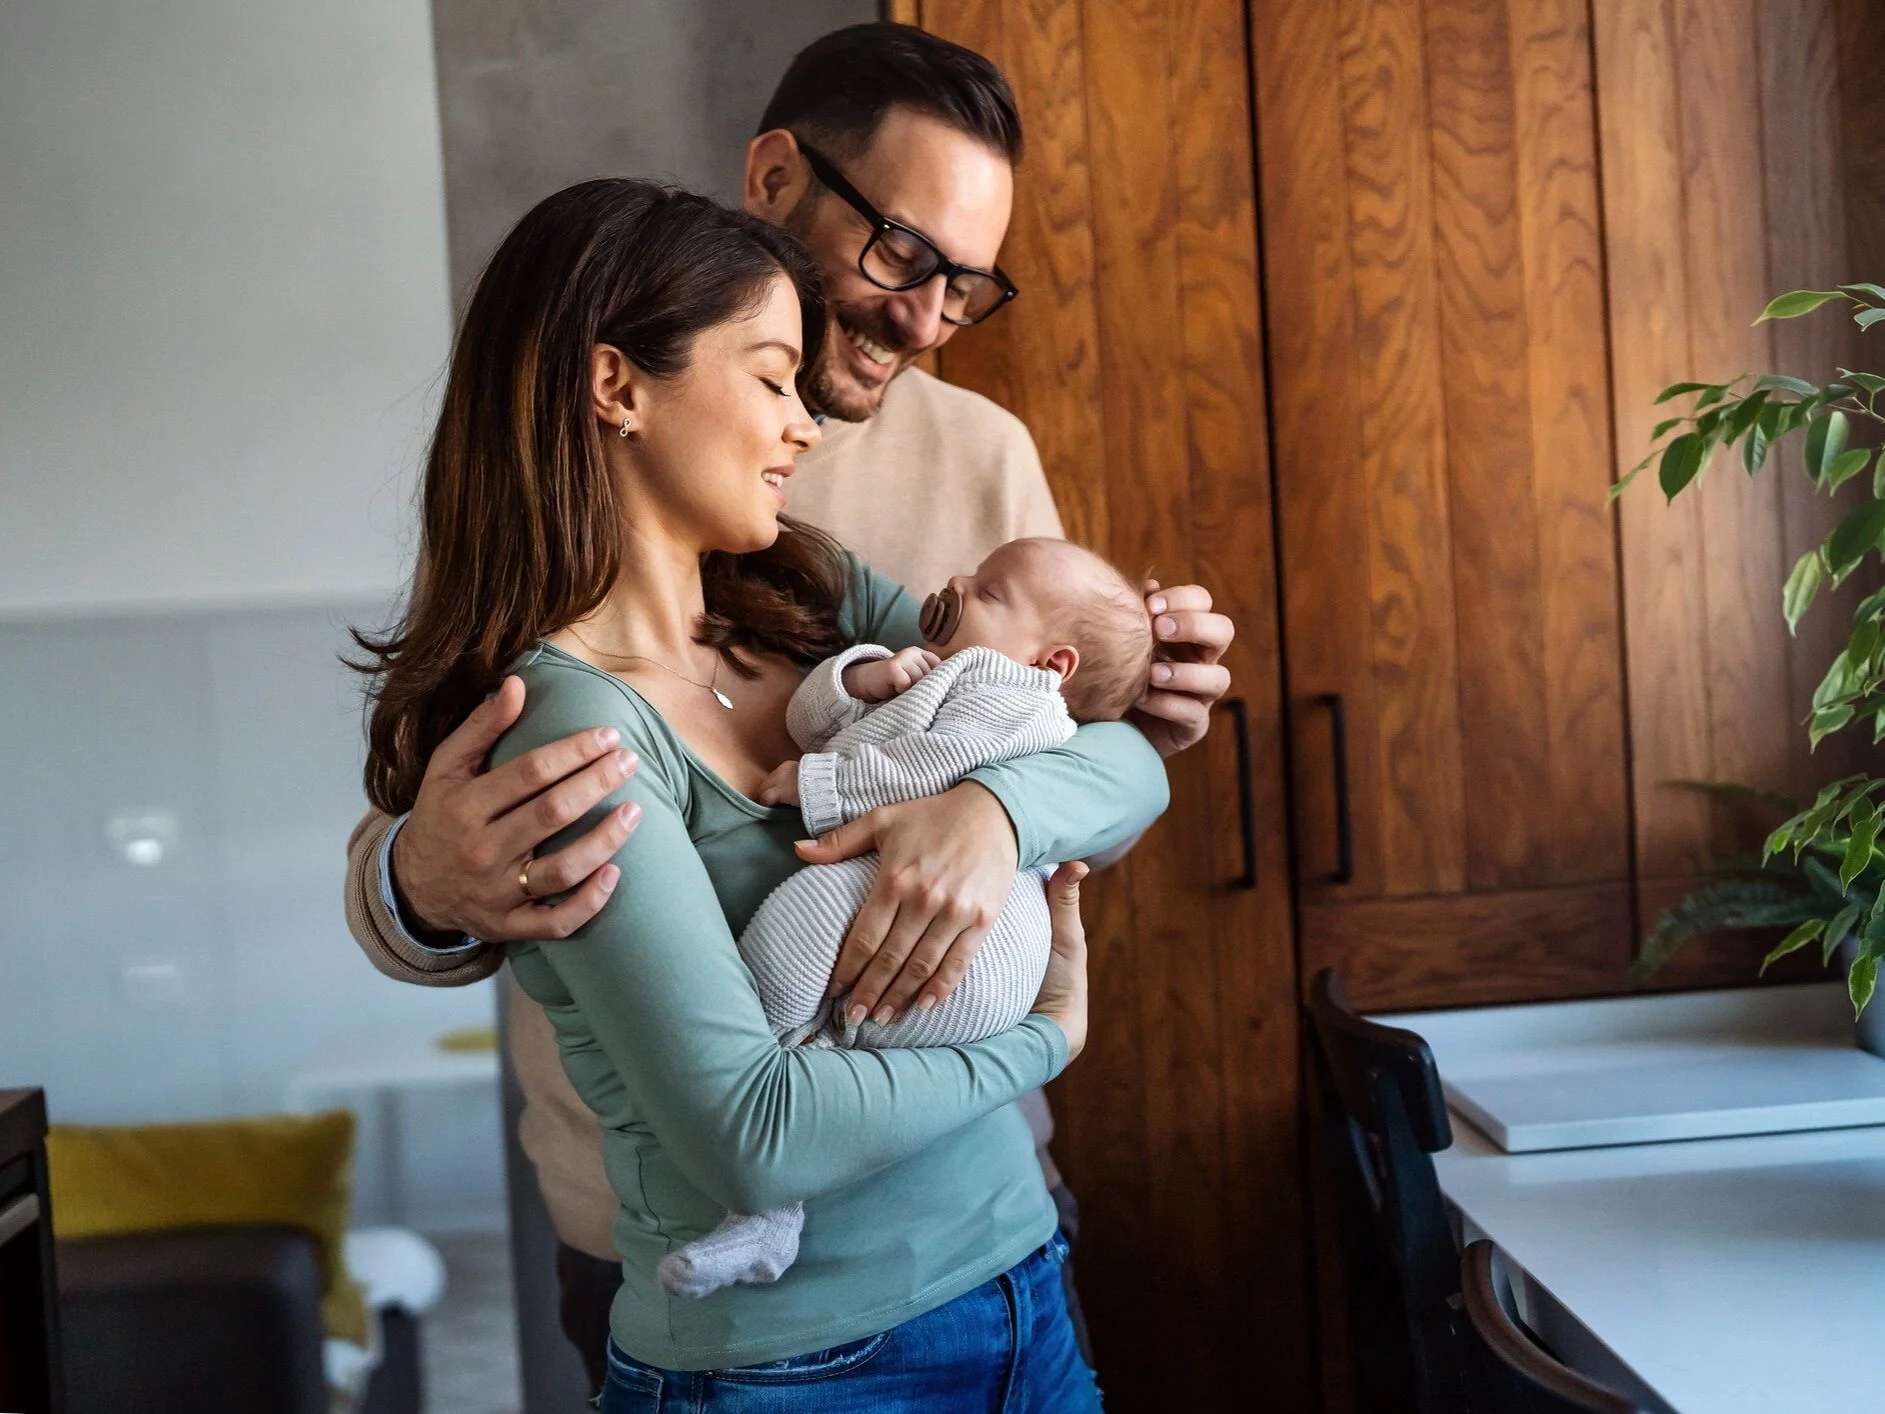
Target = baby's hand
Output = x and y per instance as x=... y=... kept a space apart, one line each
x=782 y=786
x=885 y=678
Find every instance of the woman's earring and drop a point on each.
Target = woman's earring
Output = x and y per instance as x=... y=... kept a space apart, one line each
x=627 y=422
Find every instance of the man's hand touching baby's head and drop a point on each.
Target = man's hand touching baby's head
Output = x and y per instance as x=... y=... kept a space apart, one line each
x=1052 y=604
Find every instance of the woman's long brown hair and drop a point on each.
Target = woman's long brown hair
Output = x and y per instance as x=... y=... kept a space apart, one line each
x=520 y=528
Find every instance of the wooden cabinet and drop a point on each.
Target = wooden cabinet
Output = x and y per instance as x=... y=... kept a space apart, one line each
x=1135 y=356
x=1353 y=310
x=1433 y=278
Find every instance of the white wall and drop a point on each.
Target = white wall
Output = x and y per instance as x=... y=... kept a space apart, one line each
x=223 y=297
x=223 y=312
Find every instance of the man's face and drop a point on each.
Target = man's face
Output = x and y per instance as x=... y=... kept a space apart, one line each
x=951 y=187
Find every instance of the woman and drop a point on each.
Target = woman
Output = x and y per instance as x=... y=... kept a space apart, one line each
x=602 y=515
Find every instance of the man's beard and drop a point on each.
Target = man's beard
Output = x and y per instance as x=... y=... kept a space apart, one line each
x=825 y=388
x=839 y=393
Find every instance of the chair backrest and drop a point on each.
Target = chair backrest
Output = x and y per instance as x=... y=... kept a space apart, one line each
x=1383 y=1117
x=1510 y=1372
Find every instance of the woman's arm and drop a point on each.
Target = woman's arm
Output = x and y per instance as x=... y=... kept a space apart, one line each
x=654 y=1006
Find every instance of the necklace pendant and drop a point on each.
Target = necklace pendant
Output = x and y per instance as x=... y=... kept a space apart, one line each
x=722 y=698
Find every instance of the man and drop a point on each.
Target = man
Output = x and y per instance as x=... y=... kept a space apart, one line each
x=890 y=154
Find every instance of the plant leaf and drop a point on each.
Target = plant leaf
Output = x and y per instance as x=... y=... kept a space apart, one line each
x=1862 y=976
x=1877 y=292
x=1754 y=449
x=1676 y=390
x=1846 y=465
x=1780 y=381
x=1794 y=941
x=1663 y=427
x=1856 y=534
x=1871 y=382
x=1680 y=464
x=1796 y=303
x=1859 y=847
x=1866 y=318
x=1744 y=412
x=1825 y=439
x=1826 y=721
x=1837 y=931
x=1802 y=585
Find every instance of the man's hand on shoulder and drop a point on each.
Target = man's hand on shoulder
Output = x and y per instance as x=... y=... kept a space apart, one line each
x=1187 y=678
x=464 y=861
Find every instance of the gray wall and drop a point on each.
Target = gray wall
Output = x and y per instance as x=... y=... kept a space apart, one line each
x=536 y=94
x=223 y=287
x=225 y=302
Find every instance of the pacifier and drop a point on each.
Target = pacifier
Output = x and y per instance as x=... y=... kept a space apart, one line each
x=942 y=611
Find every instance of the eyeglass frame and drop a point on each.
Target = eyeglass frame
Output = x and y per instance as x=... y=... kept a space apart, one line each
x=827 y=173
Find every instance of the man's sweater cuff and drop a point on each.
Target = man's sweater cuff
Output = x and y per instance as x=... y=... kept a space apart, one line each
x=389 y=898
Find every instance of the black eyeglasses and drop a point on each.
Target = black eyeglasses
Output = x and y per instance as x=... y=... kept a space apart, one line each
x=899 y=258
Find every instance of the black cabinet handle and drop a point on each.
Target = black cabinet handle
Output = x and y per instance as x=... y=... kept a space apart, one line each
x=1344 y=816
x=1246 y=793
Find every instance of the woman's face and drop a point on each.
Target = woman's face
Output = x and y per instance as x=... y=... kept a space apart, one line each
x=714 y=445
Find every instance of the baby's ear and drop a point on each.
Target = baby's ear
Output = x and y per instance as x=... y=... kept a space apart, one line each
x=1063 y=658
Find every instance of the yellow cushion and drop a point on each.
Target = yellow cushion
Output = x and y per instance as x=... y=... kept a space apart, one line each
x=112 y=1180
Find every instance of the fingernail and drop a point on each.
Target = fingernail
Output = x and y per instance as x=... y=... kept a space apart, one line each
x=884 y=1015
x=609 y=878
x=855 y=1014
x=607 y=737
x=803 y=844
x=1167 y=627
x=1156 y=603
x=926 y=1002
x=626 y=814
x=1161 y=673
x=624 y=761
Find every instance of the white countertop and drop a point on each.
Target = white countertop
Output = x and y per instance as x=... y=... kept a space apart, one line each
x=1631 y=1070
x=1740 y=1275
x=1731 y=1275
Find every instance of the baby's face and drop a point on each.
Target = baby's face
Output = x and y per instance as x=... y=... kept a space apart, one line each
x=1012 y=601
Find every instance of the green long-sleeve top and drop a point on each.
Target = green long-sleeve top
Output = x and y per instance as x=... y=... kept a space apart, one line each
x=917 y=1172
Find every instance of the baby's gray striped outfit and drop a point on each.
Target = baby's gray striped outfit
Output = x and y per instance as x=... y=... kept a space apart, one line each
x=975 y=708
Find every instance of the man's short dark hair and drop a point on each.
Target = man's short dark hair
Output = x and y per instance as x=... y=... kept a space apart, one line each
x=839 y=87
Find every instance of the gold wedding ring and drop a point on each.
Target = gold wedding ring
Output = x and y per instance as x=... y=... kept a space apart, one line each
x=523 y=878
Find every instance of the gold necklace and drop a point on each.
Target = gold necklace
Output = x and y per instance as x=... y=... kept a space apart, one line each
x=711 y=685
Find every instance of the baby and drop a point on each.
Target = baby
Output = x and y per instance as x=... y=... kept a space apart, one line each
x=1043 y=635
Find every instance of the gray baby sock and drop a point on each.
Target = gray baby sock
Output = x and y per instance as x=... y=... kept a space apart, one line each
x=740 y=1249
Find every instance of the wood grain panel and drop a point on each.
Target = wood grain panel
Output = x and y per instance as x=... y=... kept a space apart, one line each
x=1145 y=420
x=1416 y=730
x=1562 y=251
x=1751 y=726
x=1664 y=586
x=1316 y=389
x=1467 y=950
x=1807 y=247
x=1861 y=59
x=1484 y=345
x=1251 y=930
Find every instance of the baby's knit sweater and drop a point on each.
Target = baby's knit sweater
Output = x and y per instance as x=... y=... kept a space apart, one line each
x=973 y=709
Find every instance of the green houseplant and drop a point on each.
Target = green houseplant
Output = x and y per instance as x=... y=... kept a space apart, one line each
x=1821 y=873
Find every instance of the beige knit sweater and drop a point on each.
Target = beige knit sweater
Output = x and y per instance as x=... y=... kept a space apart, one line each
x=922 y=491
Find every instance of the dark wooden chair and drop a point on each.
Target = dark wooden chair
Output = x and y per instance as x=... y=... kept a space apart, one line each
x=1383 y=1116
x=1510 y=1372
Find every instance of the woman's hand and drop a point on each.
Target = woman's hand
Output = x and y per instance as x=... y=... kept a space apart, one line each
x=1063 y=990
x=948 y=862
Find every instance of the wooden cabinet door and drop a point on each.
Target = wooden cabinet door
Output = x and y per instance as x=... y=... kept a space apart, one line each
x=1135 y=357
x=1434 y=285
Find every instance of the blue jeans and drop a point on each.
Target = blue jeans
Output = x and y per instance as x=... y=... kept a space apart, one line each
x=1007 y=1345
